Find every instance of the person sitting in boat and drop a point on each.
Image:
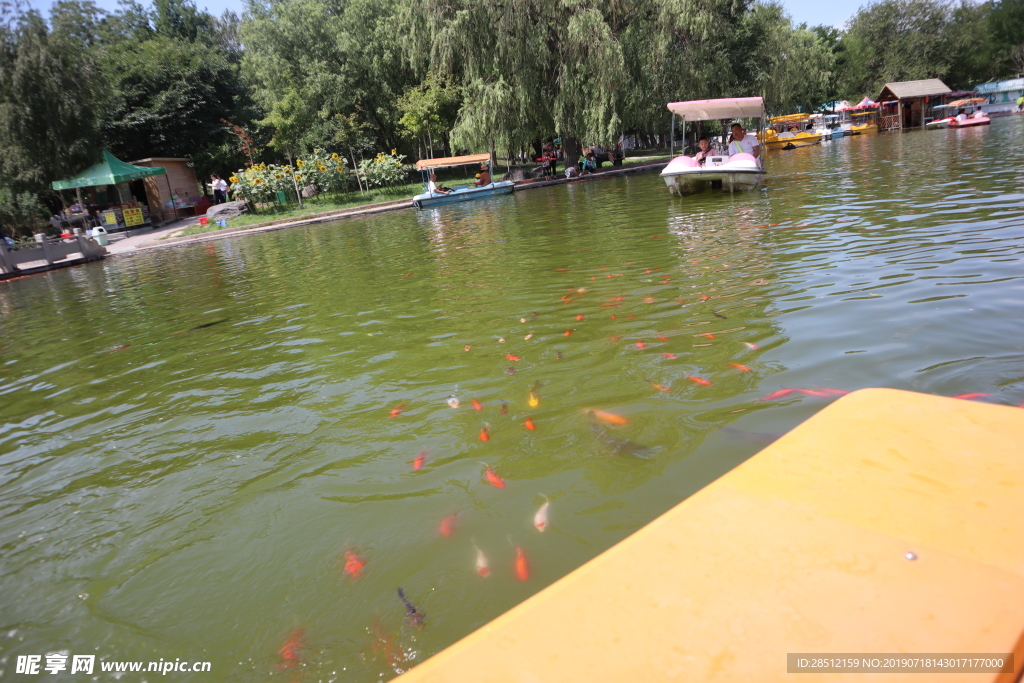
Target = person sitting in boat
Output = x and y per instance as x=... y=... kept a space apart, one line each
x=704 y=151
x=961 y=116
x=978 y=113
x=741 y=142
x=483 y=178
x=433 y=187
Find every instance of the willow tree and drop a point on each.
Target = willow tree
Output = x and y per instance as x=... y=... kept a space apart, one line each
x=528 y=68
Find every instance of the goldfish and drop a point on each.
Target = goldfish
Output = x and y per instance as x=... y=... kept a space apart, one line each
x=532 y=400
x=640 y=345
x=610 y=418
x=565 y=297
x=968 y=397
x=529 y=423
x=528 y=337
x=511 y=357
x=413 y=617
x=407 y=275
x=614 y=338
x=354 y=564
x=751 y=346
x=558 y=355
x=522 y=565
x=579 y=317
x=421 y=458
x=482 y=567
x=447 y=526
x=741 y=368
x=477 y=405
x=704 y=297
x=504 y=408
x=661 y=338
x=778 y=394
x=698 y=380
x=581 y=290
x=397 y=410
x=562 y=270
x=453 y=401
x=812 y=392
x=648 y=299
x=466 y=348
x=614 y=317
x=540 y=520
x=568 y=332
x=291 y=649
x=708 y=335
x=484 y=436
x=501 y=340
x=657 y=386
x=647 y=271
x=670 y=356
x=836 y=392
x=493 y=479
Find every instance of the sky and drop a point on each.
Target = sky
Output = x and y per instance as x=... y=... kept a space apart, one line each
x=810 y=12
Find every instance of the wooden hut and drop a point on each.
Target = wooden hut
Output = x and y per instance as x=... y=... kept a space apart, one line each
x=907 y=104
x=180 y=195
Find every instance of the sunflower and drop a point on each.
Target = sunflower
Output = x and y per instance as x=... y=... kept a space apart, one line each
x=298 y=176
x=257 y=181
x=392 y=151
x=299 y=163
x=278 y=176
x=321 y=168
x=233 y=179
x=341 y=169
x=335 y=156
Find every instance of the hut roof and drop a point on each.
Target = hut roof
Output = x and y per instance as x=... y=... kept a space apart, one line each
x=904 y=89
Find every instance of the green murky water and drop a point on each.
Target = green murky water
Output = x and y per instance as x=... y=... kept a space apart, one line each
x=191 y=439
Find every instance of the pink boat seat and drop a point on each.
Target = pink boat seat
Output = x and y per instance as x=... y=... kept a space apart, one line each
x=742 y=156
x=685 y=161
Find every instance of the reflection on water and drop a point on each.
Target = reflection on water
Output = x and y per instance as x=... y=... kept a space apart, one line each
x=195 y=443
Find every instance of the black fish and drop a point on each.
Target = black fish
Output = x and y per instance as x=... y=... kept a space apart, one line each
x=504 y=408
x=413 y=617
x=511 y=370
x=719 y=315
x=614 y=444
x=205 y=325
x=558 y=355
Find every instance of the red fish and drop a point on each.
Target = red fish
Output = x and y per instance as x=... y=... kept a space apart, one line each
x=648 y=271
x=493 y=479
x=511 y=357
x=670 y=356
x=662 y=338
x=354 y=564
x=659 y=387
x=291 y=649
x=835 y=392
x=698 y=380
x=708 y=335
x=420 y=460
x=447 y=526
x=565 y=296
x=704 y=297
x=812 y=392
x=122 y=347
x=640 y=345
x=579 y=317
x=397 y=410
x=484 y=435
x=614 y=317
x=522 y=565
x=751 y=346
x=529 y=423
x=968 y=397
x=568 y=332
x=610 y=418
x=648 y=299
x=741 y=368
x=466 y=348
x=778 y=394
x=477 y=405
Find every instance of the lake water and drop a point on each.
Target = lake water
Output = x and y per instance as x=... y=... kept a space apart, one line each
x=191 y=439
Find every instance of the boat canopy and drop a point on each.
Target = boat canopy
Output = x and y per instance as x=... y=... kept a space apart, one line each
x=790 y=118
x=866 y=103
x=710 y=110
x=110 y=171
x=969 y=100
x=447 y=162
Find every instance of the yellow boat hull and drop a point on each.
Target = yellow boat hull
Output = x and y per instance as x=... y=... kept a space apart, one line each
x=798 y=140
x=865 y=128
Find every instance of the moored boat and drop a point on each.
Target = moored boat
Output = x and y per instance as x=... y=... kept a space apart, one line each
x=685 y=175
x=792 y=130
x=459 y=193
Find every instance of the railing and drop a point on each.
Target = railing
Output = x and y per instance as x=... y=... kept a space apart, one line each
x=890 y=123
x=49 y=254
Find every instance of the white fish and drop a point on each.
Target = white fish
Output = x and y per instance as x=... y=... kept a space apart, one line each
x=540 y=520
x=453 y=401
x=482 y=568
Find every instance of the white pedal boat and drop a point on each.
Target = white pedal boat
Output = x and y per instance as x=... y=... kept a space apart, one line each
x=684 y=176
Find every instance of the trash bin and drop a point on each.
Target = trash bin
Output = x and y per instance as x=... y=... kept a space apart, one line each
x=100 y=235
x=203 y=220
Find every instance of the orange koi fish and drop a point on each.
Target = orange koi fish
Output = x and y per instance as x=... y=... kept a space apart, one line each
x=579 y=317
x=751 y=346
x=529 y=423
x=968 y=397
x=447 y=526
x=511 y=357
x=484 y=436
x=610 y=418
x=835 y=392
x=466 y=348
x=670 y=356
x=661 y=338
x=420 y=460
x=778 y=394
x=698 y=380
x=812 y=392
x=540 y=520
x=648 y=271
x=708 y=335
x=640 y=345
x=477 y=405
x=396 y=411
x=522 y=565
x=562 y=270
x=564 y=297
x=291 y=649
x=581 y=290
x=648 y=299
x=741 y=368
x=659 y=387
x=354 y=564
x=528 y=337
x=704 y=297
x=568 y=332
x=501 y=340
x=493 y=479
x=614 y=317
x=482 y=567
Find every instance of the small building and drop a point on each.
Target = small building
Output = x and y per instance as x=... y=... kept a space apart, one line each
x=908 y=104
x=1002 y=95
x=177 y=196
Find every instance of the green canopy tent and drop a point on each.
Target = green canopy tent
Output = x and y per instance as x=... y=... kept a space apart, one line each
x=111 y=171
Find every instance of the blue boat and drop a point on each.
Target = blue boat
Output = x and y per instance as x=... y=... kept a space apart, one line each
x=461 y=193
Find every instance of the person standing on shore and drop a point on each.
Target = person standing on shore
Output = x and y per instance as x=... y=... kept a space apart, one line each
x=219 y=187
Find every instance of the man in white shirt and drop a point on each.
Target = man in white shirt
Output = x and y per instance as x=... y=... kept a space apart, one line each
x=978 y=113
x=741 y=142
x=962 y=116
x=432 y=186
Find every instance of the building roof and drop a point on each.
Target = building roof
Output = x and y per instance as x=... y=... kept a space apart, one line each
x=904 y=89
x=144 y=161
x=110 y=171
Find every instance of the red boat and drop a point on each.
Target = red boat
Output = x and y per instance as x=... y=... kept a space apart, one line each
x=970 y=121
